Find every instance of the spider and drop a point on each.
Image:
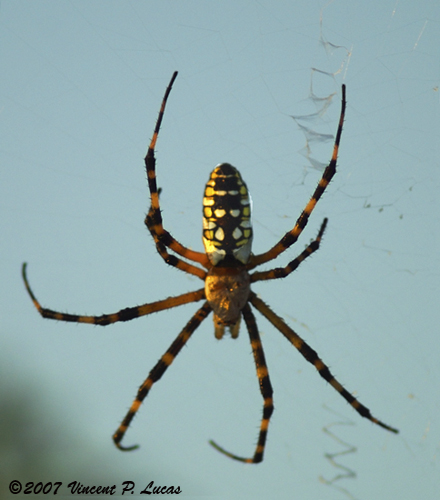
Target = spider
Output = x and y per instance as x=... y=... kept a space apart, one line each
x=225 y=266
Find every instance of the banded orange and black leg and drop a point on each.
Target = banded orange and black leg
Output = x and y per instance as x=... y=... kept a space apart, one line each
x=157 y=372
x=290 y=237
x=282 y=272
x=163 y=238
x=123 y=315
x=265 y=389
x=312 y=357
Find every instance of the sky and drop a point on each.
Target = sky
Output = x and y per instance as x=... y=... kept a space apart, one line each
x=259 y=86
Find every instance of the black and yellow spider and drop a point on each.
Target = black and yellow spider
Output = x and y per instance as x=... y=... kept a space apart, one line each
x=227 y=237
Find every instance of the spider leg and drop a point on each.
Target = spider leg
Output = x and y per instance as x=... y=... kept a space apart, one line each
x=265 y=389
x=157 y=372
x=291 y=236
x=123 y=315
x=282 y=272
x=166 y=239
x=312 y=357
x=153 y=220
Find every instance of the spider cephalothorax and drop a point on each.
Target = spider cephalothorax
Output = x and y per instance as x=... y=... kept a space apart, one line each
x=227 y=291
x=227 y=236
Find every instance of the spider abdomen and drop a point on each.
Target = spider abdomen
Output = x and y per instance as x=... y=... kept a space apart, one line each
x=227 y=229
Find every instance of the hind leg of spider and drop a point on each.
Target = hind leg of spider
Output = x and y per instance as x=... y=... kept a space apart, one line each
x=165 y=239
x=157 y=372
x=265 y=389
x=312 y=357
x=154 y=221
x=282 y=272
x=291 y=236
x=123 y=315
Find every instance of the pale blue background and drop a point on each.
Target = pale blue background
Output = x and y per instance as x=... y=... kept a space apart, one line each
x=80 y=90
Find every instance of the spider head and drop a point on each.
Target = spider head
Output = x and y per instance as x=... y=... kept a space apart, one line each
x=227 y=291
